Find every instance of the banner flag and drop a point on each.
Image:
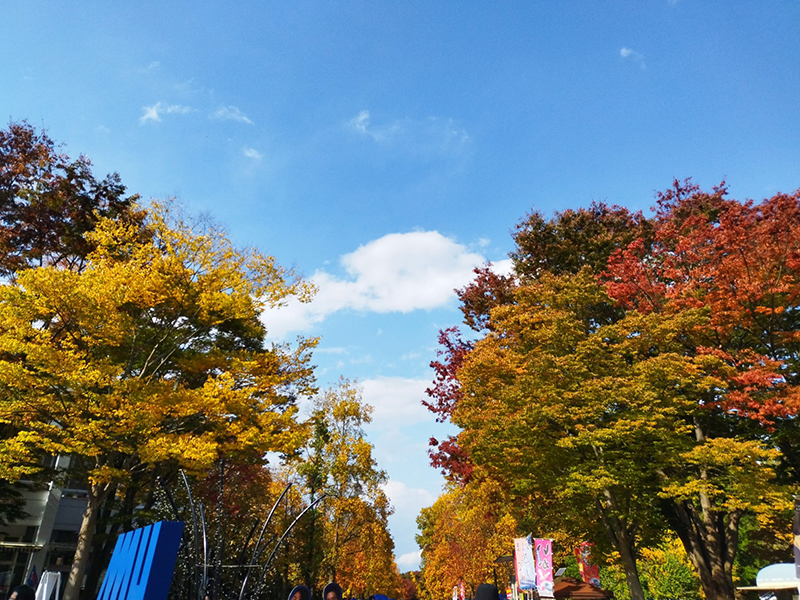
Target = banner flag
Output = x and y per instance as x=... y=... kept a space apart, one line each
x=544 y=567
x=524 y=566
x=590 y=573
x=796 y=537
x=33 y=580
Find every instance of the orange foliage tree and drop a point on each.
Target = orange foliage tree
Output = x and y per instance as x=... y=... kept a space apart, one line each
x=461 y=536
x=348 y=539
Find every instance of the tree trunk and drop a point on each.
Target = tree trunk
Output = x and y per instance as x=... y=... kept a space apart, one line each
x=103 y=542
x=113 y=519
x=334 y=552
x=631 y=572
x=97 y=494
x=710 y=539
x=219 y=544
x=624 y=541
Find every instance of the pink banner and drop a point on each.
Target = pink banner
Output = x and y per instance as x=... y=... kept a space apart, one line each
x=544 y=567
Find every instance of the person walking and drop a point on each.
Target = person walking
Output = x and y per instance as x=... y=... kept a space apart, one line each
x=486 y=591
x=300 y=592
x=332 y=591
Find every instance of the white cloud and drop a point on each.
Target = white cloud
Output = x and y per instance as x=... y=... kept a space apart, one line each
x=150 y=68
x=252 y=153
x=397 y=401
x=407 y=502
x=334 y=350
x=230 y=113
x=360 y=122
x=414 y=499
x=635 y=56
x=155 y=112
x=409 y=561
x=503 y=267
x=399 y=272
x=190 y=86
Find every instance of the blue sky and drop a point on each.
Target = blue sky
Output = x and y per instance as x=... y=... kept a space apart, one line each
x=384 y=149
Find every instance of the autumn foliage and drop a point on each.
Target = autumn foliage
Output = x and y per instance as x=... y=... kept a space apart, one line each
x=48 y=202
x=651 y=363
x=133 y=341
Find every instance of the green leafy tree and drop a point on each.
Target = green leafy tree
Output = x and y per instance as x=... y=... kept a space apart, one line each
x=739 y=262
x=575 y=239
x=551 y=376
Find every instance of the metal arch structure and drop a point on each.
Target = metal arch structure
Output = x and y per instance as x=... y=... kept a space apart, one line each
x=197 y=583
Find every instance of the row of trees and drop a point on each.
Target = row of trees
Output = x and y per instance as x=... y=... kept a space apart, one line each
x=131 y=341
x=636 y=379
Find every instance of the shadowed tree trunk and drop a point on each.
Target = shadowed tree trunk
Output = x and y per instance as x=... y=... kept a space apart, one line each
x=623 y=537
x=97 y=495
x=710 y=539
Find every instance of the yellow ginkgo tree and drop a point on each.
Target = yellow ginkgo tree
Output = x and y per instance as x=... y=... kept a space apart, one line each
x=154 y=353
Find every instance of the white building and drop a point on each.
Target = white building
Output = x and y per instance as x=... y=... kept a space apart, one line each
x=46 y=539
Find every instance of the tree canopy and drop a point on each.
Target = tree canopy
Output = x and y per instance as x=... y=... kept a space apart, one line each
x=152 y=353
x=350 y=542
x=636 y=372
x=48 y=201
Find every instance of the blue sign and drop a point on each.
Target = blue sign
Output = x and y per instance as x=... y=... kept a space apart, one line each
x=143 y=563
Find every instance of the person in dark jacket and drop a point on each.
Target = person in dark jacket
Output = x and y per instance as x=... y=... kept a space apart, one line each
x=486 y=591
x=300 y=592
x=332 y=591
x=22 y=592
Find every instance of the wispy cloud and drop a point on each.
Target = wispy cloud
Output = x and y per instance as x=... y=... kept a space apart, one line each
x=427 y=136
x=397 y=273
x=361 y=124
x=633 y=55
x=148 y=69
x=396 y=402
x=159 y=109
x=230 y=113
x=252 y=153
x=407 y=502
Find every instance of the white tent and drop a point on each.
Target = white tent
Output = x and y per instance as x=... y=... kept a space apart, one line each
x=780 y=576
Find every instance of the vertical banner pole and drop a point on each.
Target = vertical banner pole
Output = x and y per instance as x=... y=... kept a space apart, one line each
x=796 y=540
